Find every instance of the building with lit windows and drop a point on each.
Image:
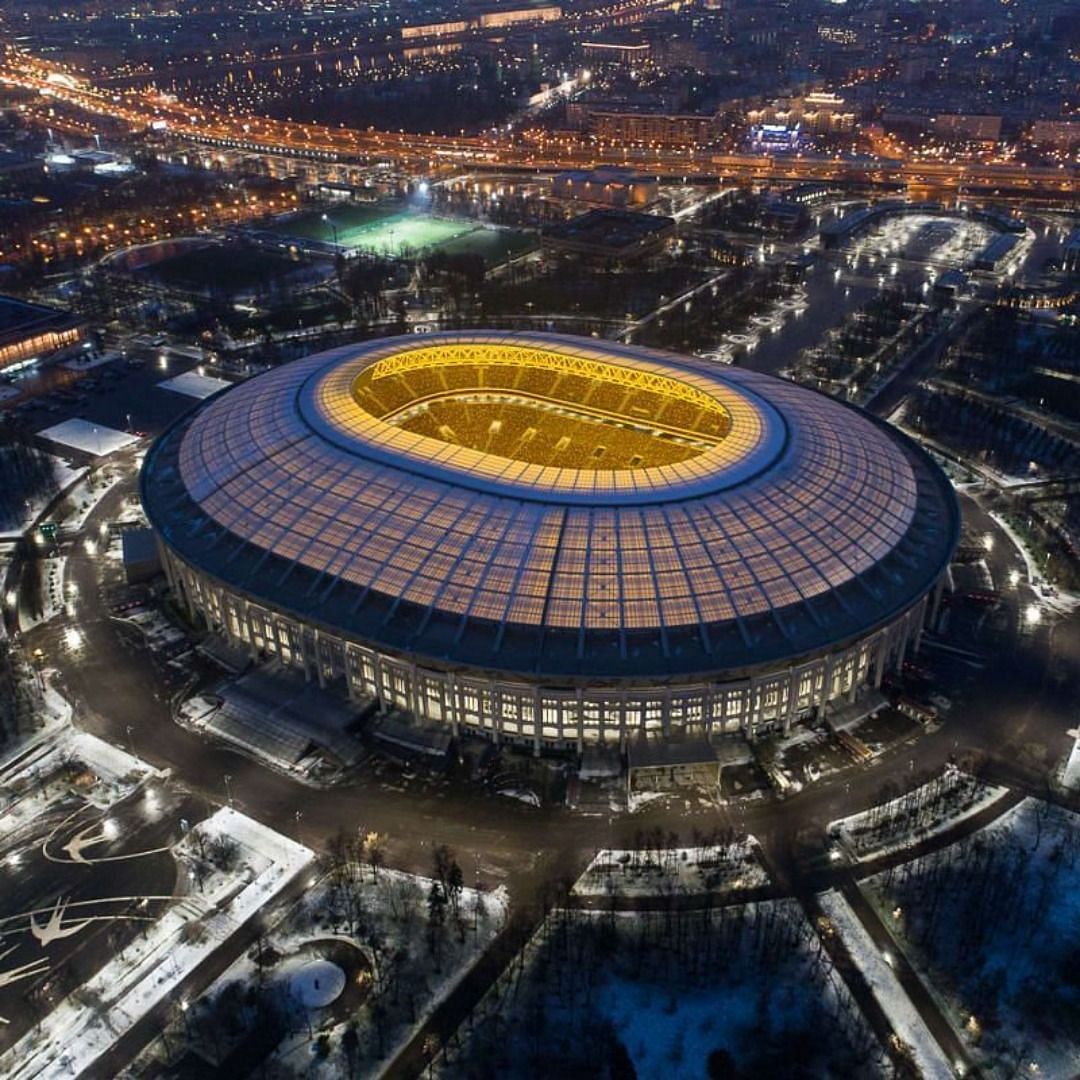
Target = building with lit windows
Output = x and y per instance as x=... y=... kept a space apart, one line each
x=30 y=333
x=652 y=128
x=554 y=541
x=485 y=20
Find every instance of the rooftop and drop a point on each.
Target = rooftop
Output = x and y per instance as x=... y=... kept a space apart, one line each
x=19 y=318
x=802 y=525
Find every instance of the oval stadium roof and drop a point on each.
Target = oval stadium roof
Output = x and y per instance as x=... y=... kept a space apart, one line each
x=557 y=507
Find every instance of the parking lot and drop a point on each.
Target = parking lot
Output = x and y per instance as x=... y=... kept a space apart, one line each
x=121 y=393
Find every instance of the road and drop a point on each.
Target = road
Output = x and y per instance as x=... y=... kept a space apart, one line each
x=544 y=152
x=116 y=686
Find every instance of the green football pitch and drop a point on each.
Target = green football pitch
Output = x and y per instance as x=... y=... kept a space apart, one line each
x=402 y=232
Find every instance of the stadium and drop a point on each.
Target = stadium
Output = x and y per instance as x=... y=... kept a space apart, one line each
x=553 y=540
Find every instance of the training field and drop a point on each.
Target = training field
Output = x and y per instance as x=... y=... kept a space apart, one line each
x=401 y=232
x=495 y=245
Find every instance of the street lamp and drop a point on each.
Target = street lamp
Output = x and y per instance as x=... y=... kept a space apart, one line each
x=228 y=789
x=131 y=745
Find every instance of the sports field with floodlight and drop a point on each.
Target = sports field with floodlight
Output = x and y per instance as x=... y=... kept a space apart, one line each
x=383 y=231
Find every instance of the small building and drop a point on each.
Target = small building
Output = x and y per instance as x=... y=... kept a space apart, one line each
x=991 y=258
x=968 y=126
x=775 y=138
x=605 y=187
x=655 y=765
x=30 y=332
x=141 y=558
x=402 y=736
x=93 y=160
x=610 y=235
x=782 y=215
x=950 y=284
x=1063 y=134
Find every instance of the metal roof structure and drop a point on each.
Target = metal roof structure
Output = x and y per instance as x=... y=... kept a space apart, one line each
x=794 y=523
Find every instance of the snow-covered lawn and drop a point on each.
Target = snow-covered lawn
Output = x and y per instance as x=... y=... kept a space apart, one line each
x=54 y=596
x=65 y=476
x=885 y=986
x=686 y=797
x=672 y=871
x=86 y=495
x=73 y=1036
x=741 y=990
x=35 y=778
x=993 y=922
x=1070 y=768
x=925 y=811
x=383 y=921
x=155 y=628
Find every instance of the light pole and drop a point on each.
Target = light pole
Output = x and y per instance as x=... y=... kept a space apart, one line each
x=299 y=835
x=131 y=745
x=184 y=1013
x=333 y=229
x=228 y=789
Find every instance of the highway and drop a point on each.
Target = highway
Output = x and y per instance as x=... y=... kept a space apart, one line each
x=535 y=150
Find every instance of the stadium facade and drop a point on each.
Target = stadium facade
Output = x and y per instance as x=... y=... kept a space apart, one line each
x=554 y=540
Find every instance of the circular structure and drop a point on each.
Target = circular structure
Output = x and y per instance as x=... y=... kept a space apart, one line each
x=316 y=984
x=553 y=539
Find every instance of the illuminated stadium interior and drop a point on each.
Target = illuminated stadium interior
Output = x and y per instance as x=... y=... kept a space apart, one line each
x=527 y=405
x=552 y=539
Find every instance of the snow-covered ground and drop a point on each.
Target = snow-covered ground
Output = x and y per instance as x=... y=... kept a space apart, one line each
x=885 y=986
x=998 y=943
x=156 y=630
x=86 y=495
x=399 y=971
x=1061 y=603
x=72 y=1037
x=687 y=797
x=1070 y=769
x=673 y=871
x=65 y=477
x=925 y=811
x=31 y=780
x=54 y=598
x=742 y=990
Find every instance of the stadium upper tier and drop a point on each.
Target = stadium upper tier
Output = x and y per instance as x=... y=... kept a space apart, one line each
x=553 y=506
